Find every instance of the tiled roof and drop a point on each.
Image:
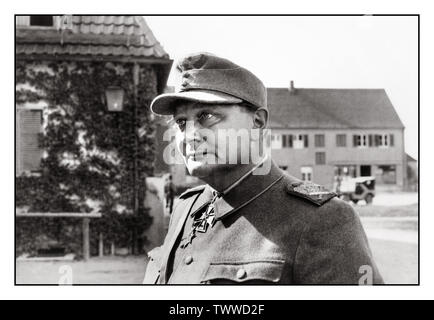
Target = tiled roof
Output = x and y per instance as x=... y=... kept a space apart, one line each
x=410 y=158
x=122 y=36
x=331 y=108
x=78 y=49
x=126 y=25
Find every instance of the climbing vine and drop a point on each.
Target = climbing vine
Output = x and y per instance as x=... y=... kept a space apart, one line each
x=90 y=154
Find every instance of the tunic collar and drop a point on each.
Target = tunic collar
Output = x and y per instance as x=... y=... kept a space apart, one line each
x=243 y=191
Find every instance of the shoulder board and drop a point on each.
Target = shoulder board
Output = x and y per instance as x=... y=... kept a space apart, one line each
x=312 y=192
x=191 y=191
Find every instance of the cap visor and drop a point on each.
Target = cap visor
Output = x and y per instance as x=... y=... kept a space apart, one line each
x=165 y=104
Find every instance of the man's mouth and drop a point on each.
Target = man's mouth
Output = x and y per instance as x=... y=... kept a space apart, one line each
x=197 y=156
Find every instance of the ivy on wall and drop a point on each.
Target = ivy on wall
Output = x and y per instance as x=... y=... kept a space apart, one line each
x=90 y=153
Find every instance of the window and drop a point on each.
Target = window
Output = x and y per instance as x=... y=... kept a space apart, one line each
x=287 y=141
x=41 y=21
x=319 y=140
x=320 y=158
x=276 y=141
x=306 y=173
x=343 y=175
x=360 y=140
x=28 y=129
x=386 y=174
x=341 y=140
x=301 y=141
x=373 y=140
x=346 y=171
x=297 y=141
x=384 y=140
x=365 y=171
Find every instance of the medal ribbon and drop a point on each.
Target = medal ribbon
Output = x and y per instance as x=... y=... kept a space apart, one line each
x=207 y=219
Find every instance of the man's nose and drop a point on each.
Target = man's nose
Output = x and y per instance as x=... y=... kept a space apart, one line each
x=191 y=137
x=192 y=132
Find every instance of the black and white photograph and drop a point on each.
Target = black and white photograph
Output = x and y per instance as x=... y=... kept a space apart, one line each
x=270 y=150
x=228 y=156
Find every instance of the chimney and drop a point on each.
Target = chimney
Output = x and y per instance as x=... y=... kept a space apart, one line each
x=291 y=87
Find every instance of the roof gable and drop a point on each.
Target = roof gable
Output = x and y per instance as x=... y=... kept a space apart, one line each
x=331 y=108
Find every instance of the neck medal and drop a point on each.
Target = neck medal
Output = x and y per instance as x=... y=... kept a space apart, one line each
x=202 y=222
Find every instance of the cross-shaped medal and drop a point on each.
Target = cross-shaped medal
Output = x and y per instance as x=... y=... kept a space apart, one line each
x=201 y=224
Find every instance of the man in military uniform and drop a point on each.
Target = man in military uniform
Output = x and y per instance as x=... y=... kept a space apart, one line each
x=251 y=223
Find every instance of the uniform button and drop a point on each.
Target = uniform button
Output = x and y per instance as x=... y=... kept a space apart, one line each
x=188 y=259
x=187 y=75
x=184 y=83
x=241 y=273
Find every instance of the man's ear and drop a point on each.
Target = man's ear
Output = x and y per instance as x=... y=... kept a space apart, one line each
x=260 y=119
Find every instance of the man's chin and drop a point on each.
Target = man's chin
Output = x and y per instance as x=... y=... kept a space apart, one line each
x=202 y=169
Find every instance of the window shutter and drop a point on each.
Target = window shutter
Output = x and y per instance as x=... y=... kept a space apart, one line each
x=343 y=140
x=290 y=139
x=30 y=128
x=320 y=158
x=378 y=139
x=371 y=138
x=391 y=142
x=355 y=140
x=306 y=141
x=17 y=143
x=319 y=140
x=284 y=141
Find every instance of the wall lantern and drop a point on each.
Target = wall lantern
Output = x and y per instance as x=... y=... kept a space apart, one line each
x=114 y=98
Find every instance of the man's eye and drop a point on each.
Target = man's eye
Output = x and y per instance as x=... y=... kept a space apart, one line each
x=207 y=118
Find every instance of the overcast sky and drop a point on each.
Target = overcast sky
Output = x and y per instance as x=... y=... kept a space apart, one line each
x=315 y=52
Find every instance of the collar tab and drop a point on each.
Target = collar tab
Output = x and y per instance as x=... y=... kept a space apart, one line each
x=312 y=192
x=188 y=193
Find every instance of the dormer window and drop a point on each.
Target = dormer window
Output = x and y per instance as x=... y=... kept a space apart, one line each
x=35 y=21
x=41 y=21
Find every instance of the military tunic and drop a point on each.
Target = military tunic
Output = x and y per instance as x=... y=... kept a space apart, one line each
x=270 y=229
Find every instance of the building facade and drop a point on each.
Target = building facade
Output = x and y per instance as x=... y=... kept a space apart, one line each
x=42 y=39
x=322 y=155
x=321 y=134
x=84 y=85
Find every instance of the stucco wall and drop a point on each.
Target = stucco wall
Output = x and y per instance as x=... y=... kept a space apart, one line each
x=294 y=159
